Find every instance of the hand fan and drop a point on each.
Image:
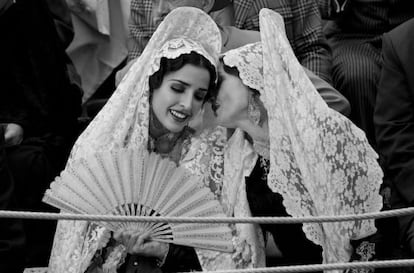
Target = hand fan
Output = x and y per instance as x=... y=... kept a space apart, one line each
x=137 y=183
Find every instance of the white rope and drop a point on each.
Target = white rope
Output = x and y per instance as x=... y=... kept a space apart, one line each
x=299 y=268
x=263 y=220
x=156 y=219
x=320 y=267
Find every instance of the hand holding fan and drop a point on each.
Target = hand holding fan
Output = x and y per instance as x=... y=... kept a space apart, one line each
x=136 y=183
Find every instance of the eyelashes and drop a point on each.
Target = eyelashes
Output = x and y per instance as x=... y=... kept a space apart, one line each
x=176 y=89
x=198 y=95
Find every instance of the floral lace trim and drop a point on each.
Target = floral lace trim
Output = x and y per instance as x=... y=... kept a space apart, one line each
x=250 y=67
x=366 y=252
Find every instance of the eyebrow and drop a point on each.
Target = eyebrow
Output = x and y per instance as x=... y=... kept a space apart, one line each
x=186 y=84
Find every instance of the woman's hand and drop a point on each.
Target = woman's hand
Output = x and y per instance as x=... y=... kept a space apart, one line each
x=141 y=244
x=13 y=134
x=257 y=132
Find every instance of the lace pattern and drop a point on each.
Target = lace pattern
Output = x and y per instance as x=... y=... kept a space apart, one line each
x=249 y=66
x=205 y=156
x=239 y=161
x=224 y=165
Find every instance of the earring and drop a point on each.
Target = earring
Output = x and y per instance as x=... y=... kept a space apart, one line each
x=253 y=110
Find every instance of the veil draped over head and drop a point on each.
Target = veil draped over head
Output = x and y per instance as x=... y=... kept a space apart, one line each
x=320 y=162
x=124 y=123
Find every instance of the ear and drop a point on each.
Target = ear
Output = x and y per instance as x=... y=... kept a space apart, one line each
x=208 y=5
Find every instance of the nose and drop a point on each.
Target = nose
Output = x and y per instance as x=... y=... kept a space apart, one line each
x=187 y=101
x=160 y=9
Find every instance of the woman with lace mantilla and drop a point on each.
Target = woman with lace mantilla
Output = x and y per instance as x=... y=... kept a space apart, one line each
x=163 y=91
x=177 y=92
x=300 y=157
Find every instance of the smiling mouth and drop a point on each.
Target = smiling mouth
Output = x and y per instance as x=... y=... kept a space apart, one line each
x=179 y=116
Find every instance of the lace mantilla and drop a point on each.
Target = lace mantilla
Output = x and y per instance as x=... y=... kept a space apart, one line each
x=250 y=67
x=320 y=162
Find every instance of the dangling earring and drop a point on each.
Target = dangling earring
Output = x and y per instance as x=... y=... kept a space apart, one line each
x=254 y=114
x=253 y=110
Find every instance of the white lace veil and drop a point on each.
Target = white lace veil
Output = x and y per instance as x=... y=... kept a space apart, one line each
x=320 y=162
x=124 y=120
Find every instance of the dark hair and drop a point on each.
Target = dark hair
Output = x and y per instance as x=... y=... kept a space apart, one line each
x=232 y=71
x=171 y=65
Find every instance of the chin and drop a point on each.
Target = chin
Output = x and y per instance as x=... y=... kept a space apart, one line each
x=175 y=128
x=221 y=121
x=226 y=124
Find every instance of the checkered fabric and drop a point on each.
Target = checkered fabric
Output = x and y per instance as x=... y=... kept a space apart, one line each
x=302 y=19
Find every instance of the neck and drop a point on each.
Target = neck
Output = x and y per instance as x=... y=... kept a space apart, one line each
x=156 y=129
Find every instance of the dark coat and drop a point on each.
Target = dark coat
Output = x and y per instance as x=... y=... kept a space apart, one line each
x=394 y=112
x=36 y=91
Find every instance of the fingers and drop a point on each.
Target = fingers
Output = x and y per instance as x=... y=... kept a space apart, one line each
x=141 y=244
x=134 y=241
x=123 y=236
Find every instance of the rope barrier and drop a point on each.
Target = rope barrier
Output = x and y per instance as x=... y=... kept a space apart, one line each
x=320 y=267
x=261 y=220
x=160 y=219
x=303 y=268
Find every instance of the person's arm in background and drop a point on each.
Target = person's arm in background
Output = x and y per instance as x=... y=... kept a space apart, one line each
x=4 y=5
x=223 y=17
x=394 y=116
x=310 y=45
x=63 y=21
x=140 y=27
x=140 y=31
x=14 y=116
x=330 y=95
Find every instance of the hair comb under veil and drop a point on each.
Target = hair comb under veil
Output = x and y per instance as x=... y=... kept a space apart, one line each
x=124 y=122
x=320 y=161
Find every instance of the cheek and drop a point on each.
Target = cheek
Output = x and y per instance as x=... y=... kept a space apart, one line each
x=159 y=101
x=196 y=106
x=238 y=107
x=233 y=98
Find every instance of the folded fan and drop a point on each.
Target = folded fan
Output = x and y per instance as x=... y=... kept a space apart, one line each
x=137 y=183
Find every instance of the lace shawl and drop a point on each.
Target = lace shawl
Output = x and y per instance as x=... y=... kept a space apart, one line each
x=320 y=162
